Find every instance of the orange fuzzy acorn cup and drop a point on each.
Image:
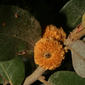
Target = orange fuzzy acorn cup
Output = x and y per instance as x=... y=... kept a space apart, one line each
x=52 y=31
x=48 y=53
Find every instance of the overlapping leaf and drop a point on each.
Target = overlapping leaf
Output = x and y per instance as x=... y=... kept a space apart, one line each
x=13 y=71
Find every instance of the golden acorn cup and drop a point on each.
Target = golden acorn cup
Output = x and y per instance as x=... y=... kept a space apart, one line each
x=52 y=31
x=48 y=53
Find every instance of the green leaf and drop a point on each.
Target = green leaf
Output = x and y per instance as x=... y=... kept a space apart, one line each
x=66 y=78
x=13 y=71
x=9 y=46
x=19 y=23
x=73 y=11
x=21 y=45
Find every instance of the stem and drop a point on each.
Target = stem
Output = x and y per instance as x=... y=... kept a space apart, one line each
x=42 y=79
x=34 y=76
x=79 y=35
x=74 y=36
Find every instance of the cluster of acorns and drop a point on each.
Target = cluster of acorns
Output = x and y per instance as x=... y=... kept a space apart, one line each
x=49 y=51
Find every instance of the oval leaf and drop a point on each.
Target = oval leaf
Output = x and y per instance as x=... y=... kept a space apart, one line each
x=73 y=11
x=13 y=71
x=78 y=57
x=66 y=78
x=19 y=23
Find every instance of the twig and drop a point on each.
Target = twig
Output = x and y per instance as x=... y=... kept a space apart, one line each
x=79 y=35
x=42 y=79
x=34 y=76
x=75 y=35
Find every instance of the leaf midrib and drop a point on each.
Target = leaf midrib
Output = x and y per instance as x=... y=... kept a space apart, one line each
x=2 y=66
